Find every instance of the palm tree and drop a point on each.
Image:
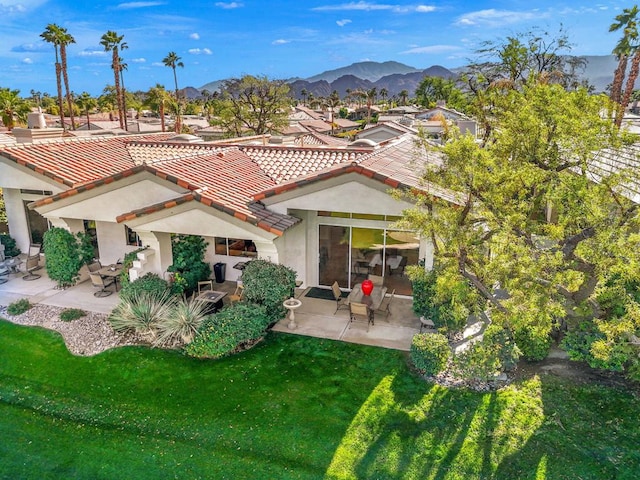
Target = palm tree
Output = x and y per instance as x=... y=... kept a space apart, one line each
x=332 y=102
x=12 y=107
x=50 y=35
x=371 y=98
x=86 y=103
x=157 y=98
x=304 y=94
x=65 y=39
x=173 y=60
x=383 y=94
x=404 y=95
x=626 y=47
x=123 y=67
x=112 y=42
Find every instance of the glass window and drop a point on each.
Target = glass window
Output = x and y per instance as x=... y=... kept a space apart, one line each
x=241 y=248
x=220 y=245
x=132 y=237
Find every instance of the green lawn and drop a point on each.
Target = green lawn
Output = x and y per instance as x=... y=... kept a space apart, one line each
x=292 y=407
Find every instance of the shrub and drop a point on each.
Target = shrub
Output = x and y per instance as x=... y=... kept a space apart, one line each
x=188 y=261
x=268 y=284
x=149 y=283
x=182 y=324
x=141 y=312
x=70 y=314
x=441 y=297
x=430 y=352
x=479 y=361
x=229 y=330
x=10 y=247
x=505 y=346
x=534 y=342
x=585 y=343
x=65 y=254
x=19 y=307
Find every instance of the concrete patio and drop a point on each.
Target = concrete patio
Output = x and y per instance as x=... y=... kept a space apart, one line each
x=314 y=318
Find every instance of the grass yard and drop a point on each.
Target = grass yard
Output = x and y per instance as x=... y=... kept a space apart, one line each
x=293 y=408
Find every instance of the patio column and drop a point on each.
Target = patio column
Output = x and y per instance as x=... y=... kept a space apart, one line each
x=16 y=217
x=160 y=244
x=267 y=250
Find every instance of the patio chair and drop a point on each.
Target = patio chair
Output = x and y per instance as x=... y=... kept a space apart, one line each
x=337 y=294
x=386 y=304
x=94 y=266
x=4 y=274
x=205 y=285
x=400 y=268
x=360 y=310
x=32 y=264
x=376 y=279
x=237 y=295
x=34 y=249
x=102 y=283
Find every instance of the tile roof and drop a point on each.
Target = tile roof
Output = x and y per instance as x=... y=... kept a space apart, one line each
x=397 y=165
x=624 y=161
x=286 y=163
x=74 y=161
x=230 y=178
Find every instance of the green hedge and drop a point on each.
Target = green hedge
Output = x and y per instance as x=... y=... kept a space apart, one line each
x=268 y=284
x=228 y=330
x=430 y=352
x=150 y=283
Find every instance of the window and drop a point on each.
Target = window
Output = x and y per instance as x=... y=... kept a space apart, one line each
x=235 y=247
x=132 y=237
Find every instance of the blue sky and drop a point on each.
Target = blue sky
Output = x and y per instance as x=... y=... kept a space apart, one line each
x=279 y=39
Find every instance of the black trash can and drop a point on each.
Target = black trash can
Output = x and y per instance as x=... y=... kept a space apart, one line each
x=219 y=270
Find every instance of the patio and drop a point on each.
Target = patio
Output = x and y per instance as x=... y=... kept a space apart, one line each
x=314 y=318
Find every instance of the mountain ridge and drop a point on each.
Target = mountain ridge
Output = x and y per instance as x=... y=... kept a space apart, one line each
x=395 y=77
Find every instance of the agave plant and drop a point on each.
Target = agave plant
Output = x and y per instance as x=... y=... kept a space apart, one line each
x=182 y=324
x=142 y=312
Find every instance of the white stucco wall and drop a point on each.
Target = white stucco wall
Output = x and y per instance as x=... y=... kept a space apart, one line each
x=351 y=193
x=112 y=242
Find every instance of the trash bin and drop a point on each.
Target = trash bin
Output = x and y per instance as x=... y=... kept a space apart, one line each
x=219 y=270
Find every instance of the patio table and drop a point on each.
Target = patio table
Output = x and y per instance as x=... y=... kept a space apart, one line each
x=12 y=264
x=213 y=297
x=112 y=271
x=372 y=301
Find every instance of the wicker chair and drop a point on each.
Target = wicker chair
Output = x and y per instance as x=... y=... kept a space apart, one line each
x=102 y=283
x=31 y=265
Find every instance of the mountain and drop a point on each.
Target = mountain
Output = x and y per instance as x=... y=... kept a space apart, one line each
x=371 y=71
x=395 y=77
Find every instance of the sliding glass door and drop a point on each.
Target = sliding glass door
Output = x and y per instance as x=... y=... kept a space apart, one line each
x=349 y=255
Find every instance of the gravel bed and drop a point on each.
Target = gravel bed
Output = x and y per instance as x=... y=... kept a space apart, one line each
x=86 y=336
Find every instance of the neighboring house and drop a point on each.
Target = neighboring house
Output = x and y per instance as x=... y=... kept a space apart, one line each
x=433 y=121
x=323 y=211
x=382 y=132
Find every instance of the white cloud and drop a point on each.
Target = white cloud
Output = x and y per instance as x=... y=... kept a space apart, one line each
x=494 y=18
x=27 y=60
x=370 y=7
x=343 y=22
x=90 y=52
x=200 y=51
x=432 y=49
x=157 y=64
x=194 y=36
x=139 y=60
x=229 y=5
x=130 y=5
x=280 y=41
x=32 y=47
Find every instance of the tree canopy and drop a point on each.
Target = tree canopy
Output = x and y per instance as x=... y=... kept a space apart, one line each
x=545 y=246
x=432 y=89
x=253 y=105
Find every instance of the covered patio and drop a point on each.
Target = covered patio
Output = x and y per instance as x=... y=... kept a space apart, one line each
x=314 y=318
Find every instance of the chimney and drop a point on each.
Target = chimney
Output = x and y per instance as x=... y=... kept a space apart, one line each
x=36 y=120
x=36 y=129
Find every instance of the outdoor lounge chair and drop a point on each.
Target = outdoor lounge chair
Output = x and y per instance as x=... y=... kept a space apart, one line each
x=337 y=294
x=102 y=283
x=32 y=264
